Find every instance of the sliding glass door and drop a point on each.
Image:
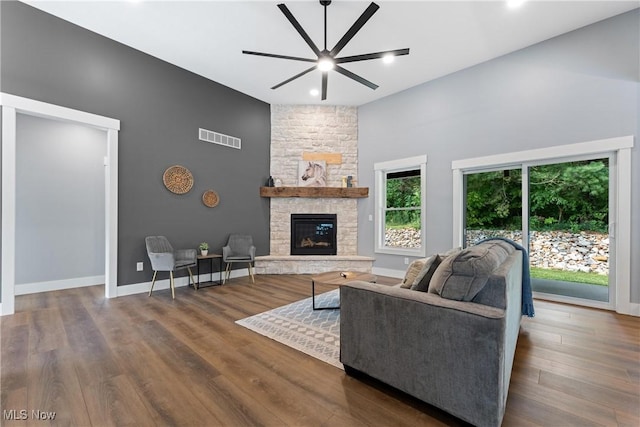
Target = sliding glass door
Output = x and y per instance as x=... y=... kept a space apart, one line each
x=559 y=210
x=568 y=223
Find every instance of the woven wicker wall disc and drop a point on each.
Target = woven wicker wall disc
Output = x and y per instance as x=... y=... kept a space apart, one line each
x=210 y=198
x=178 y=179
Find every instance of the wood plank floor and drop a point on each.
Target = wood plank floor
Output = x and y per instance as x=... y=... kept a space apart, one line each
x=144 y=361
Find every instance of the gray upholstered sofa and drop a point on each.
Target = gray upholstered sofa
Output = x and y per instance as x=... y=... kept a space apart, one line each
x=455 y=354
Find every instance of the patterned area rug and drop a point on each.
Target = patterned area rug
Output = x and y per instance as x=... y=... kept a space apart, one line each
x=297 y=325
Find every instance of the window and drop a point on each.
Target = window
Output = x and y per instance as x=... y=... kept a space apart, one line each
x=400 y=206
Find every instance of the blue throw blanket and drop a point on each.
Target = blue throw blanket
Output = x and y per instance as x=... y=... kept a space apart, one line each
x=527 y=296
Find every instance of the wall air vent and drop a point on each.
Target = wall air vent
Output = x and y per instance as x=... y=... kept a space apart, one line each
x=220 y=139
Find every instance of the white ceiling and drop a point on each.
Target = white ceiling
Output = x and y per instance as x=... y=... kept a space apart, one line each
x=207 y=38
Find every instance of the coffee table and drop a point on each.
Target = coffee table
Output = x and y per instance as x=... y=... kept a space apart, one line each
x=337 y=278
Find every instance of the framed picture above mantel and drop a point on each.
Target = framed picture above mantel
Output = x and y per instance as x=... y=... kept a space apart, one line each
x=315 y=192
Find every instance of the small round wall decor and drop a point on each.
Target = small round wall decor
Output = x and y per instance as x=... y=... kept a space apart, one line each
x=178 y=179
x=210 y=198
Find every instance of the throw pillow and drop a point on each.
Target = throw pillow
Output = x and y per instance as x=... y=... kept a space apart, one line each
x=422 y=281
x=412 y=272
x=461 y=276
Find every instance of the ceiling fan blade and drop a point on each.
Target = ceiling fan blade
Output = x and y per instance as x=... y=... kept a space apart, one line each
x=366 y=15
x=355 y=77
x=271 y=55
x=376 y=55
x=325 y=78
x=294 y=77
x=285 y=10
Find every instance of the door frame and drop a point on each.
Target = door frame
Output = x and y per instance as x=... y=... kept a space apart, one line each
x=620 y=226
x=12 y=106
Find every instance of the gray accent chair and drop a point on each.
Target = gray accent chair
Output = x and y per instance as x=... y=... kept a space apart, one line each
x=164 y=258
x=239 y=248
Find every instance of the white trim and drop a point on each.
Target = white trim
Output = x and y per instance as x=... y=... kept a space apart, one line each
x=45 y=110
x=408 y=162
x=622 y=232
x=622 y=225
x=538 y=154
x=179 y=282
x=111 y=215
x=143 y=288
x=8 y=208
x=11 y=105
x=458 y=208
x=380 y=169
x=57 y=285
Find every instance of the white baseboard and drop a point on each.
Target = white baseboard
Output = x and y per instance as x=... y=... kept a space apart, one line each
x=388 y=272
x=631 y=308
x=56 y=285
x=143 y=288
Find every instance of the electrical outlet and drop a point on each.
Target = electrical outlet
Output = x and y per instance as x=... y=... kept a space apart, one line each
x=406 y=261
x=139 y=266
x=370 y=217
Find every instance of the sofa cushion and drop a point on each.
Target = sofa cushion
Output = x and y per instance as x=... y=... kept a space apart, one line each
x=450 y=252
x=421 y=283
x=412 y=272
x=462 y=275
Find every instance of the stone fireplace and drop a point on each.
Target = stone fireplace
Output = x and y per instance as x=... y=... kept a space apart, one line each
x=298 y=131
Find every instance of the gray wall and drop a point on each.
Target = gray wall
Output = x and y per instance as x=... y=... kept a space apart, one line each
x=160 y=107
x=60 y=183
x=578 y=87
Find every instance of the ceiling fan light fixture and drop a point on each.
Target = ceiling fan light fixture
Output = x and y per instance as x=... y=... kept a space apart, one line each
x=326 y=64
x=388 y=59
x=314 y=92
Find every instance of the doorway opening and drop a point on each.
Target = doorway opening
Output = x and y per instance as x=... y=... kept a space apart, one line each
x=12 y=106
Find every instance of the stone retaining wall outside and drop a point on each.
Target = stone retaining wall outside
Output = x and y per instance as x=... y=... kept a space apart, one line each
x=585 y=251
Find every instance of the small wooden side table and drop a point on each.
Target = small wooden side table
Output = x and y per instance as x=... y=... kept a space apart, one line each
x=337 y=278
x=210 y=257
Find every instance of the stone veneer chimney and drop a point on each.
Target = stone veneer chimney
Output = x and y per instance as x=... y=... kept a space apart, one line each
x=298 y=129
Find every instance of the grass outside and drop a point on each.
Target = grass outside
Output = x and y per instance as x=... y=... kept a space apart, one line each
x=570 y=276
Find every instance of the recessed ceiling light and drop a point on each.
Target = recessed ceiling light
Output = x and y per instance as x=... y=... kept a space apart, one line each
x=513 y=4
x=388 y=59
x=314 y=92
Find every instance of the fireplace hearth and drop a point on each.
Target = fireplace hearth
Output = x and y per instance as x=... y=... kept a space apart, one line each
x=313 y=234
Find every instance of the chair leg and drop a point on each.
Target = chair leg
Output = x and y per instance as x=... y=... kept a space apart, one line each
x=227 y=273
x=251 y=273
x=173 y=292
x=153 y=282
x=195 y=286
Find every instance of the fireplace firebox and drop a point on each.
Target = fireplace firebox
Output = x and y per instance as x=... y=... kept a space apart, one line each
x=313 y=234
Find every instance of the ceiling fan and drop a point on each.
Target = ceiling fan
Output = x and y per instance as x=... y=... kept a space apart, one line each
x=327 y=59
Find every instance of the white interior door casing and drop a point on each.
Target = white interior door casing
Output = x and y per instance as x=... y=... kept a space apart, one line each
x=13 y=105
